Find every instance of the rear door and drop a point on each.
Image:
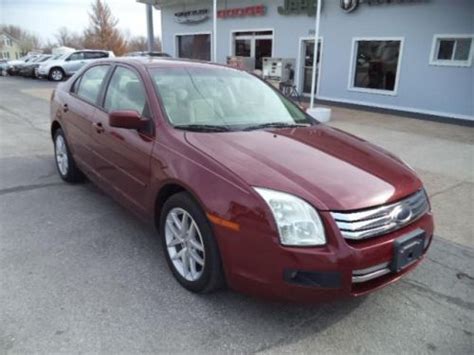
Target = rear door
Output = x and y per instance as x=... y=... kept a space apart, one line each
x=79 y=108
x=74 y=62
x=124 y=154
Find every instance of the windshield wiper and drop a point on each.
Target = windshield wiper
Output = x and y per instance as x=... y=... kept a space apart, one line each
x=203 y=128
x=275 y=125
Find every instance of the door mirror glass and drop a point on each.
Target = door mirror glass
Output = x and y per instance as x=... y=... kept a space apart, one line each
x=128 y=119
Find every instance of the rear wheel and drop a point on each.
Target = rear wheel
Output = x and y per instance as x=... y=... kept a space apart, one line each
x=65 y=163
x=56 y=74
x=189 y=245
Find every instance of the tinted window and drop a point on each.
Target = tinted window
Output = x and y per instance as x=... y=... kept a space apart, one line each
x=90 y=83
x=76 y=56
x=125 y=92
x=95 y=55
x=194 y=47
x=377 y=64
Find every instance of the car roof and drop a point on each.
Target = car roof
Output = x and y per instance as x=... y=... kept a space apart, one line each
x=163 y=62
x=91 y=50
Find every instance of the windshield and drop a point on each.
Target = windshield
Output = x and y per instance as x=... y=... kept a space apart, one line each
x=44 y=59
x=222 y=97
x=57 y=56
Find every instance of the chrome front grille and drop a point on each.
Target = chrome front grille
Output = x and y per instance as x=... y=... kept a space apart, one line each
x=382 y=220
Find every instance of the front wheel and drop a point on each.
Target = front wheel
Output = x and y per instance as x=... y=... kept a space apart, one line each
x=189 y=245
x=67 y=169
x=56 y=74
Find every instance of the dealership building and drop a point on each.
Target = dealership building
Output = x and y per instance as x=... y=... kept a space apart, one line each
x=406 y=55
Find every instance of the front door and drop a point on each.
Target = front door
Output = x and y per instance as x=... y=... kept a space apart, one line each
x=74 y=62
x=123 y=155
x=308 y=57
x=78 y=113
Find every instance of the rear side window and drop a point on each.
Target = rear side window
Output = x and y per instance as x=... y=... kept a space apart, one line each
x=95 y=55
x=76 y=56
x=126 y=92
x=91 y=82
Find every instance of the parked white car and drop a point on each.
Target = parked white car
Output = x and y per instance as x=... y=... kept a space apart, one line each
x=13 y=66
x=57 y=70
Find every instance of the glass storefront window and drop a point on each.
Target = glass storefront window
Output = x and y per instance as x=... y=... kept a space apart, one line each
x=196 y=46
x=376 y=64
x=243 y=47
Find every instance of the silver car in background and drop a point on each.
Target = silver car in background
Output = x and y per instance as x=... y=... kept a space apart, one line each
x=67 y=65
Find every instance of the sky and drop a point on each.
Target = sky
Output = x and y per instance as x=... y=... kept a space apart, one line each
x=44 y=17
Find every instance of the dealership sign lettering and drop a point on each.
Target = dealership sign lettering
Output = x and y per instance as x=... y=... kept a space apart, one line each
x=298 y=7
x=258 y=10
x=351 y=5
x=193 y=16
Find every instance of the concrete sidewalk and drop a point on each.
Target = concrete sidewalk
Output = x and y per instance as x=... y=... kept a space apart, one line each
x=442 y=154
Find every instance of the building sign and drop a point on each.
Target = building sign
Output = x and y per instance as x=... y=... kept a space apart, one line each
x=351 y=5
x=258 y=10
x=193 y=16
x=298 y=7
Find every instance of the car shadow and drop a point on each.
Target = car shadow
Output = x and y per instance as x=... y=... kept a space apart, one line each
x=116 y=267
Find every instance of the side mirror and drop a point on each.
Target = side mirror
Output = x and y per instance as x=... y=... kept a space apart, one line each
x=321 y=114
x=128 y=119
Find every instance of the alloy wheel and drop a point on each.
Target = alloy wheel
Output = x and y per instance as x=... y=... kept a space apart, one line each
x=61 y=155
x=57 y=75
x=184 y=244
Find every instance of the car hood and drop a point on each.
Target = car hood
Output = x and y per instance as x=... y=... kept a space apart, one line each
x=329 y=168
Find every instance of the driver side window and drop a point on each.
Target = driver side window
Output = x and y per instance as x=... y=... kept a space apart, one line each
x=126 y=92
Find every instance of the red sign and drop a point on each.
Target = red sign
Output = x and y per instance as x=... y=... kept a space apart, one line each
x=258 y=10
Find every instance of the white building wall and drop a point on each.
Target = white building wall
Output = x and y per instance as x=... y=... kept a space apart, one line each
x=422 y=87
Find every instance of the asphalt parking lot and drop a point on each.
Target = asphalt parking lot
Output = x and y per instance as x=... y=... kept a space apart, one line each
x=78 y=273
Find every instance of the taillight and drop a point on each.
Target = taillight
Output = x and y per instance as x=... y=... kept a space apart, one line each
x=52 y=94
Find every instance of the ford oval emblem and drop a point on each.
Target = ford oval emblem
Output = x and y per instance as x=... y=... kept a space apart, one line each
x=401 y=214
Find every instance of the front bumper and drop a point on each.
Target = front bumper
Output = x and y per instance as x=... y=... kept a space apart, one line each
x=340 y=269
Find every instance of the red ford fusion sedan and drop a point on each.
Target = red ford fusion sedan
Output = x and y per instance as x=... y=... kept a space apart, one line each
x=245 y=189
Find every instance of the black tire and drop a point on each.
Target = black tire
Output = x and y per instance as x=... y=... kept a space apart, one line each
x=212 y=277
x=56 y=74
x=72 y=174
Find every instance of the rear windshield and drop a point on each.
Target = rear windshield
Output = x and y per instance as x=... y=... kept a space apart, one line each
x=221 y=97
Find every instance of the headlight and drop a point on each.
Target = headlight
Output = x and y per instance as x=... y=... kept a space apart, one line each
x=298 y=222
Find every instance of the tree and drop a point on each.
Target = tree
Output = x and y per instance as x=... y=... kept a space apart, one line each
x=140 y=43
x=102 y=32
x=68 y=39
x=137 y=44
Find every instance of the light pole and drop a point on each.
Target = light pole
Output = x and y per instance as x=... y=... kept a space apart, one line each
x=214 y=30
x=149 y=22
x=315 y=56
